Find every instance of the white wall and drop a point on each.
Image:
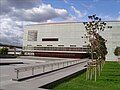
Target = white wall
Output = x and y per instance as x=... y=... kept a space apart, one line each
x=71 y=33
x=113 y=39
x=67 y=33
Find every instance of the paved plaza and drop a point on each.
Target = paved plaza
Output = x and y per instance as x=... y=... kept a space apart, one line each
x=7 y=73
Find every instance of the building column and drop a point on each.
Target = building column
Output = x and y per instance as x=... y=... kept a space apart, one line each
x=14 y=51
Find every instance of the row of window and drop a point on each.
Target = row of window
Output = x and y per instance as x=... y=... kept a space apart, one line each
x=60 y=45
x=57 y=48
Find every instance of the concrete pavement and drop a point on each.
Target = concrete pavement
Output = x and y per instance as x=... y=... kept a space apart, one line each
x=34 y=83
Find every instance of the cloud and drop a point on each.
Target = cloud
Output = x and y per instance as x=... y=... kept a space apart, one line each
x=16 y=13
x=6 y=5
x=11 y=32
x=40 y=14
x=66 y=1
x=30 y=10
x=87 y=6
x=118 y=18
x=107 y=18
x=77 y=12
x=119 y=12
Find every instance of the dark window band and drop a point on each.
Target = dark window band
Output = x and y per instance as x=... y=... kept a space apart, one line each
x=49 y=39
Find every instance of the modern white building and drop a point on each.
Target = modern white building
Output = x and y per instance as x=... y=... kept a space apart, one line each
x=66 y=39
x=112 y=35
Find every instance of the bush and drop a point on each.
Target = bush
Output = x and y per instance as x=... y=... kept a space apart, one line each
x=4 y=51
x=117 y=51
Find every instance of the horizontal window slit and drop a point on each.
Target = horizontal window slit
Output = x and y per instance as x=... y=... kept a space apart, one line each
x=49 y=39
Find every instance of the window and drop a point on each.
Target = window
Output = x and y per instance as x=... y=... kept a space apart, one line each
x=39 y=45
x=72 y=45
x=49 y=39
x=32 y=35
x=85 y=46
x=29 y=45
x=109 y=26
x=60 y=45
x=50 y=45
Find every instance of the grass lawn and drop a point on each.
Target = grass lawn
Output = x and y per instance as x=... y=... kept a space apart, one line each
x=109 y=80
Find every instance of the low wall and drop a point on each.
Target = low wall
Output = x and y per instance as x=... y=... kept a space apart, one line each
x=7 y=56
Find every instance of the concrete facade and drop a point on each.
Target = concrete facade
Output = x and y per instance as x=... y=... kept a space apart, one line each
x=66 y=36
x=67 y=33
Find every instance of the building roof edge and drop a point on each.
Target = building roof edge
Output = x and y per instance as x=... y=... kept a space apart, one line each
x=62 y=23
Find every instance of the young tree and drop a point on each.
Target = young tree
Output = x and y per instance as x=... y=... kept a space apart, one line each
x=93 y=28
x=101 y=49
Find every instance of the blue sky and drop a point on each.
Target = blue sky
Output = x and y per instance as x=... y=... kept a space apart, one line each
x=14 y=14
x=106 y=9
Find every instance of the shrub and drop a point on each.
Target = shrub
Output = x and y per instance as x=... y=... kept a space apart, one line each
x=4 y=51
x=117 y=51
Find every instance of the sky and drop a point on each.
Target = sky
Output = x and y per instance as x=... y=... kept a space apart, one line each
x=14 y=14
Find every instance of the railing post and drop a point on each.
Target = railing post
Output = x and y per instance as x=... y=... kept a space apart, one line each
x=51 y=66
x=43 y=68
x=63 y=64
x=32 y=70
x=17 y=74
x=67 y=63
x=58 y=65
